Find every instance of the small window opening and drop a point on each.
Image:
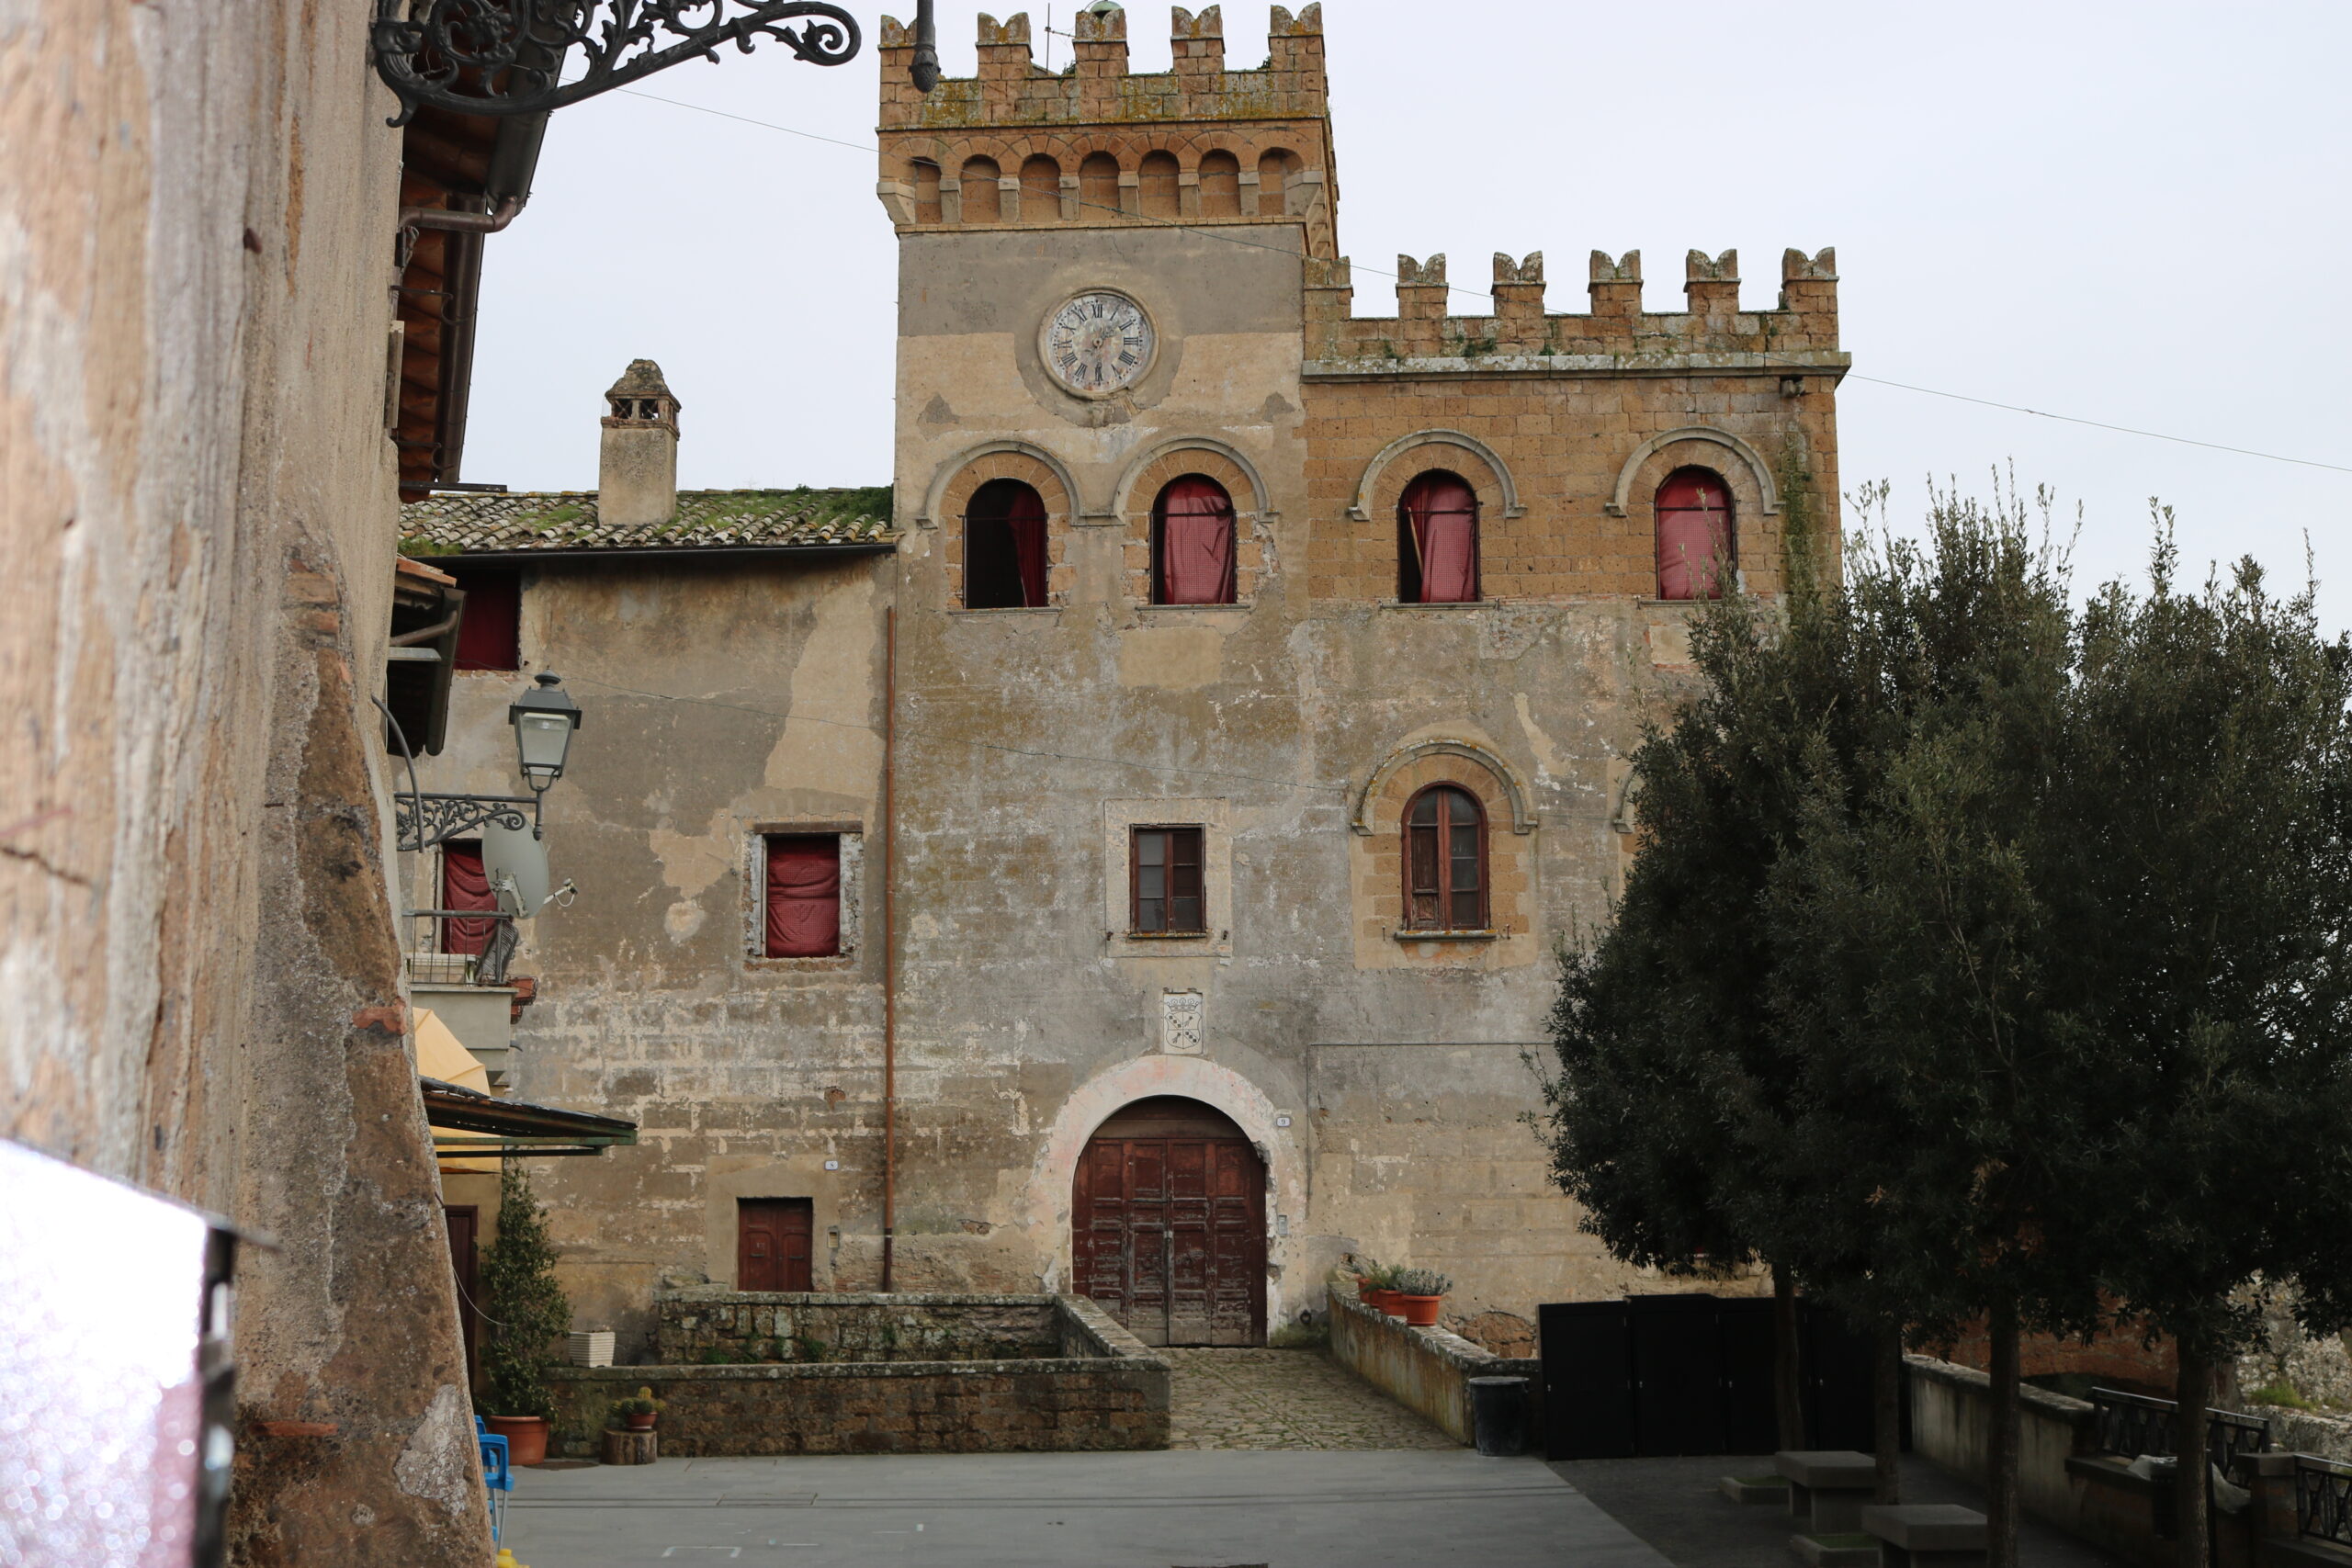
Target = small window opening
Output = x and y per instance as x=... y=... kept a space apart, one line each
x=1437 y=541
x=1445 y=862
x=1165 y=880
x=465 y=884
x=1697 y=539
x=1192 y=544
x=1005 y=548
x=490 y=633
x=804 y=896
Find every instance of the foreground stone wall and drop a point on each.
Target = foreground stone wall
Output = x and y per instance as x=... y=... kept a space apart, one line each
x=1111 y=1394
x=1426 y=1370
x=697 y=1326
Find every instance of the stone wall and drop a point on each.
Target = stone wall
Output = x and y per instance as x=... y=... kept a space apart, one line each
x=1426 y=1370
x=1108 y=1392
x=695 y=1326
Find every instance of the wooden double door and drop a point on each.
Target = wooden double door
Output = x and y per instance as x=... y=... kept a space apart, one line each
x=1169 y=1226
x=772 y=1244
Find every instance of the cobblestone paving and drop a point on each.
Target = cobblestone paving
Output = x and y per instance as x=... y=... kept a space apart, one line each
x=1286 y=1399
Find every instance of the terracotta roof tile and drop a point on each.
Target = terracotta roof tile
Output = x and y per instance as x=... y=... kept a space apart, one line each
x=493 y=523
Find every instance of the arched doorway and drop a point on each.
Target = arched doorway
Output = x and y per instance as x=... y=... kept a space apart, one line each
x=1169 y=1224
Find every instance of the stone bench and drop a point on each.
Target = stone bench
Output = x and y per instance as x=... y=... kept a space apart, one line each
x=1827 y=1488
x=1928 y=1535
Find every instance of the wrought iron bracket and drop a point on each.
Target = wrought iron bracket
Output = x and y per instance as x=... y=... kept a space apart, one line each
x=509 y=57
x=422 y=821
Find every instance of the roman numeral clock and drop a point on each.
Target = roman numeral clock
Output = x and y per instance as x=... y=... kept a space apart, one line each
x=1099 y=344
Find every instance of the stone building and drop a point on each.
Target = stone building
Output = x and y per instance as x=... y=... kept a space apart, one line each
x=1175 y=788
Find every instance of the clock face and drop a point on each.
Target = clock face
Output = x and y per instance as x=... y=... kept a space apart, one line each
x=1099 y=344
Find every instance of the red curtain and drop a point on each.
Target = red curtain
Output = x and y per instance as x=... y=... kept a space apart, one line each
x=1195 y=542
x=1694 y=533
x=465 y=885
x=1441 y=513
x=804 y=898
x=1025 y=518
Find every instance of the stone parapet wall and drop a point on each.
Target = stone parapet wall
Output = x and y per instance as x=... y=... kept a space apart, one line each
x=1427 y=1369
x=754 y=1325
x=1102 y=1391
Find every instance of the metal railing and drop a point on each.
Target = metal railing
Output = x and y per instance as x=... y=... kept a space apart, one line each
x=2130 y=1425
x=2322 y=1499
x=428 y=963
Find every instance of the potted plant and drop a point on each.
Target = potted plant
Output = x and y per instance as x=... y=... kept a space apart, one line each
x=1383 y=1295
x=637 y=1413
x=1420 y=1292
x=530 y=1315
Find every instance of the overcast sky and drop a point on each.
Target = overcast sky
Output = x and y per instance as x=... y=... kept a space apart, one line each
x=2135 y=214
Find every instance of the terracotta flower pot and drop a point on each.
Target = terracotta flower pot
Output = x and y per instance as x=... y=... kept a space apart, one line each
x=526 y=1437
x=642 y=1423
x=1420 y=1311
x=1385 y=1301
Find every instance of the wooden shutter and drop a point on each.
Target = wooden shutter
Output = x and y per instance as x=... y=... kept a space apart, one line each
x=490 y=633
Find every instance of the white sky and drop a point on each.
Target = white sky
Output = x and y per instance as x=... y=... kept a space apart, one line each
x=2130 y=213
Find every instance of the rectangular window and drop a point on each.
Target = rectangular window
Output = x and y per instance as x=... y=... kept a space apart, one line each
x=490 y=635
x=1165 y=876
x=465 y=885
x=804 y=896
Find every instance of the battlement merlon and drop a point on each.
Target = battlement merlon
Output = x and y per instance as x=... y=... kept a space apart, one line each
x=1797 y=338
x=1097 y=88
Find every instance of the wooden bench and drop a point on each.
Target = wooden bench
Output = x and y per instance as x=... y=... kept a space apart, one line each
x=1928 y=1535
x=1827 y=1488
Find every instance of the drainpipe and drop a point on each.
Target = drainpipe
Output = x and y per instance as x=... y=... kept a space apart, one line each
x=890 y=944
x=464 y=222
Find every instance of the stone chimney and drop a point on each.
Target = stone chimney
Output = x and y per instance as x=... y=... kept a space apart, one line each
x=636 y=479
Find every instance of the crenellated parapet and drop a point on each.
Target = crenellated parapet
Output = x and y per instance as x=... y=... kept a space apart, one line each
x=1094 y=143
x=1521 y=334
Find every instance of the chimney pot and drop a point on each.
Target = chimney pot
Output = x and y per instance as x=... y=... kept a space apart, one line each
x=637 y=481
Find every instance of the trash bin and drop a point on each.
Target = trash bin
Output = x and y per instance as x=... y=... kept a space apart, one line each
x=1498 y=1416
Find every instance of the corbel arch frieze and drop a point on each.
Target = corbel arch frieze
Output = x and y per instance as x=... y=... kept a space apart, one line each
x=945 y=476
x=1759 y=472
x=1360 y=509
x=1261 y=502
x=1523 y=816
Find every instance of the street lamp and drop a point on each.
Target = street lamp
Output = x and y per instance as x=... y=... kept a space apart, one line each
x=544 y=720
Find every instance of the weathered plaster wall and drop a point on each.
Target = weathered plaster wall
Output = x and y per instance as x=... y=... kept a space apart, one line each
x=198 y=988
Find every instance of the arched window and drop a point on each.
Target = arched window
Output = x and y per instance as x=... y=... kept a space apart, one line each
x=1098 y=187
x=1274 y=172
x=1005 y=548
x=1220 y=186
x=1041 y=190
x=1445 y=862
x=1696 y=538
x=926 y=183
x=1160 y=181
x=1192 y=543
x=1437 y=541
x=983 y=202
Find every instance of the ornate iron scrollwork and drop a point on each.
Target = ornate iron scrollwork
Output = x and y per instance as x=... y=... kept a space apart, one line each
x=508 y=56
x=421 y=821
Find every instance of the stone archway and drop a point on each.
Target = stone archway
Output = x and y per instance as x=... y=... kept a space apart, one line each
x=1167 y=1225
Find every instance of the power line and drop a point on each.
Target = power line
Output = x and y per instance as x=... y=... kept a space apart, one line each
x=1225 y=238
x=2100 y=424
x=962 y=740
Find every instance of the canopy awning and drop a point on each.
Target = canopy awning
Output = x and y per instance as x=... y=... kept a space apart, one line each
x=467 y=1121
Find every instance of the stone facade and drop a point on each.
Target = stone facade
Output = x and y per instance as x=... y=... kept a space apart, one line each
x=199 y=980
x=763 y=1325
x=1383 y=1074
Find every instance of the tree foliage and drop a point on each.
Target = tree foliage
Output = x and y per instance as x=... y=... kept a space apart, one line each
x=526 y=1308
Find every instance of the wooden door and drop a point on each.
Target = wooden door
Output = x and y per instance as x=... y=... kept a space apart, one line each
x=464 y=1229
x=1170 y=1232
x=772 y=1244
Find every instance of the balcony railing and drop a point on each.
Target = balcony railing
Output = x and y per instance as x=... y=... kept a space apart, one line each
x=2322 y=1500
x=438 y=931
x=2130 y=1425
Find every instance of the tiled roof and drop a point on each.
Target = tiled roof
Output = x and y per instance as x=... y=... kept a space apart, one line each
x=489 y=523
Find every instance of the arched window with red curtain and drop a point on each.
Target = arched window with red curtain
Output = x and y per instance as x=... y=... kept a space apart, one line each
x=1005 y=548
x=1696 y=538
x=1437 y=541
x=804 y=896
x=1445 y=861
x=465 y=884
x=1192 y=544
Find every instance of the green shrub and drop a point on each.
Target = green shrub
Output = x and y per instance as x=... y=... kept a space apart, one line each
x=526 y=1309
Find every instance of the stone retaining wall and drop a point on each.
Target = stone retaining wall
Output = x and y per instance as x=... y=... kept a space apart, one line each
x=1424 y=1368
x=1104 y=1391
x=749 y=1325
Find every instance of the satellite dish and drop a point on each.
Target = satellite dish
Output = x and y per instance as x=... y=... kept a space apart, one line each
x=516 y=862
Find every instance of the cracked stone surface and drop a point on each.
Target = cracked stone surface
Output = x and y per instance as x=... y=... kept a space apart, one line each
x=1286 y=1399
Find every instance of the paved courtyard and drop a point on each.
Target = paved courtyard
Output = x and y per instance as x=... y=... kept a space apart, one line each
x=1286 y=1399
